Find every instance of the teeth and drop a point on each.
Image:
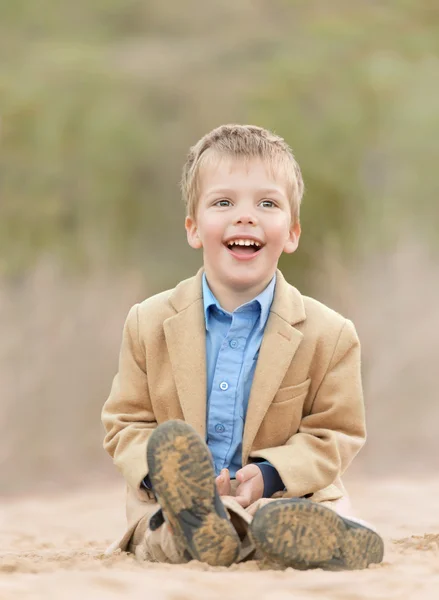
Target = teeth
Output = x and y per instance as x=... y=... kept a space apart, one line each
x=244 y=243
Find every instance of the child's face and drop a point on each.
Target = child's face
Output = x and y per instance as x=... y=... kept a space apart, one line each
x=241 y=200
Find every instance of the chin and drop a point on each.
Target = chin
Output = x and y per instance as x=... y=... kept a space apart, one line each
x=241 y=282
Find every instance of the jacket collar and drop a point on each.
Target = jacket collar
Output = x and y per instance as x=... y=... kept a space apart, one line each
x=287 y=302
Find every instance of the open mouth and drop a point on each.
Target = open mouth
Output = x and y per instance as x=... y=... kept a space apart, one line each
x=244 y=247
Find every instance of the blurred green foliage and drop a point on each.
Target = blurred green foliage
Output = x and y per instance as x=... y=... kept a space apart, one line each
x=100 y=101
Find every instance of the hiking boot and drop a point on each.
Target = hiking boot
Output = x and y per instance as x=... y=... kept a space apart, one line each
x=302 y=534
x=183 y=480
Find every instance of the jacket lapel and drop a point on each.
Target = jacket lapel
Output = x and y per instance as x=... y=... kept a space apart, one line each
x=185 y=335
x=280 y=343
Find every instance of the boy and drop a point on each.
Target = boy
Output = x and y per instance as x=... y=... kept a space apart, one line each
x=233 y=388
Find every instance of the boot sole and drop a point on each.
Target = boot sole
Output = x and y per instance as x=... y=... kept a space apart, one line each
x=303 y=534
x=183 y=480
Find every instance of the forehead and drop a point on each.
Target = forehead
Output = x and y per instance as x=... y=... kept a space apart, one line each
x=236 y=173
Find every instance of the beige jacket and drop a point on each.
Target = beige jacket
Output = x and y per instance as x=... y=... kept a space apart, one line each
x=305 y=413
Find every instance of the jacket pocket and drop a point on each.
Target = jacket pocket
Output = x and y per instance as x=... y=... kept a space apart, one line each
x=283 y=416
x=292 y=392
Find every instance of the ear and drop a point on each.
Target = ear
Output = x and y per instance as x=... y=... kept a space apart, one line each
x=192 y=233
x=293 y=239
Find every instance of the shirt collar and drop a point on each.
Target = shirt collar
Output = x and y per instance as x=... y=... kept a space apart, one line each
x=263 y=300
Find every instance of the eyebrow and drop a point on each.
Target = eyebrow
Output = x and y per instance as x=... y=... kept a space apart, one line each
x=271 y=191
x=220 y=191
x=263 y=191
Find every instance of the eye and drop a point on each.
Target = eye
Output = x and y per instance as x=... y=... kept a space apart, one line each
x=223 y=202
x=268 y=203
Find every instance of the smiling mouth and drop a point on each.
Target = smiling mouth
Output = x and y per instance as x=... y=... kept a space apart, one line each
x=244 y=247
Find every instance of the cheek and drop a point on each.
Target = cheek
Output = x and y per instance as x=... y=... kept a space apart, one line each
x=211 y=232
x=279 y=232
x=210 y=241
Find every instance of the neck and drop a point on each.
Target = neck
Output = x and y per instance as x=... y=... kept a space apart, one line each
x=230 y=298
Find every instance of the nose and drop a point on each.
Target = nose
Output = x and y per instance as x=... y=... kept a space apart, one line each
x=245 y=218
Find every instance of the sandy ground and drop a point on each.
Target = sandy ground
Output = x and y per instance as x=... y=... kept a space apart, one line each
x=52 y=548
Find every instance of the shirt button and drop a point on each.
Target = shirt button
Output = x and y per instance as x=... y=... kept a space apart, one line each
x=219 y=428
x=234 y=343
x=224 y=385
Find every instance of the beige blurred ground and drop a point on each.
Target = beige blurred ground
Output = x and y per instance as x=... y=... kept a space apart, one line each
x=52 y=548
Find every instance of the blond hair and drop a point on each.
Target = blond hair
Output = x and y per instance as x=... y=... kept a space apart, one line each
x=246 y=142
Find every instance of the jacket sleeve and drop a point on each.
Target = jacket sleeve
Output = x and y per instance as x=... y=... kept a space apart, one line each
x=127 y=415
x=334 y=430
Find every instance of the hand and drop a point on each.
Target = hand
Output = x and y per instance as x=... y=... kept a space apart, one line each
x=223 y=483
x=250 y=485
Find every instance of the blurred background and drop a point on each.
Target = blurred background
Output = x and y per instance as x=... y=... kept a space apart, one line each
x=99 y=103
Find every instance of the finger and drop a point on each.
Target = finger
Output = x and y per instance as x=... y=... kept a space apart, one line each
x=243 y=494
x=220 y=485
x=225 y=475
x=243 y=501
x=223 y=483
x=247 y=473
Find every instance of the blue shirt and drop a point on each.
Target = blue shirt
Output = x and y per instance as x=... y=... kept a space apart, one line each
x=232 y=347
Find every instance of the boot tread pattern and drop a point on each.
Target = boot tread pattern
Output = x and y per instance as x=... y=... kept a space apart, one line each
x=303 y=534
x=183 y=479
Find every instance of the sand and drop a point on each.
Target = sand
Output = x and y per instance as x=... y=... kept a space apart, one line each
x=52 y=547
